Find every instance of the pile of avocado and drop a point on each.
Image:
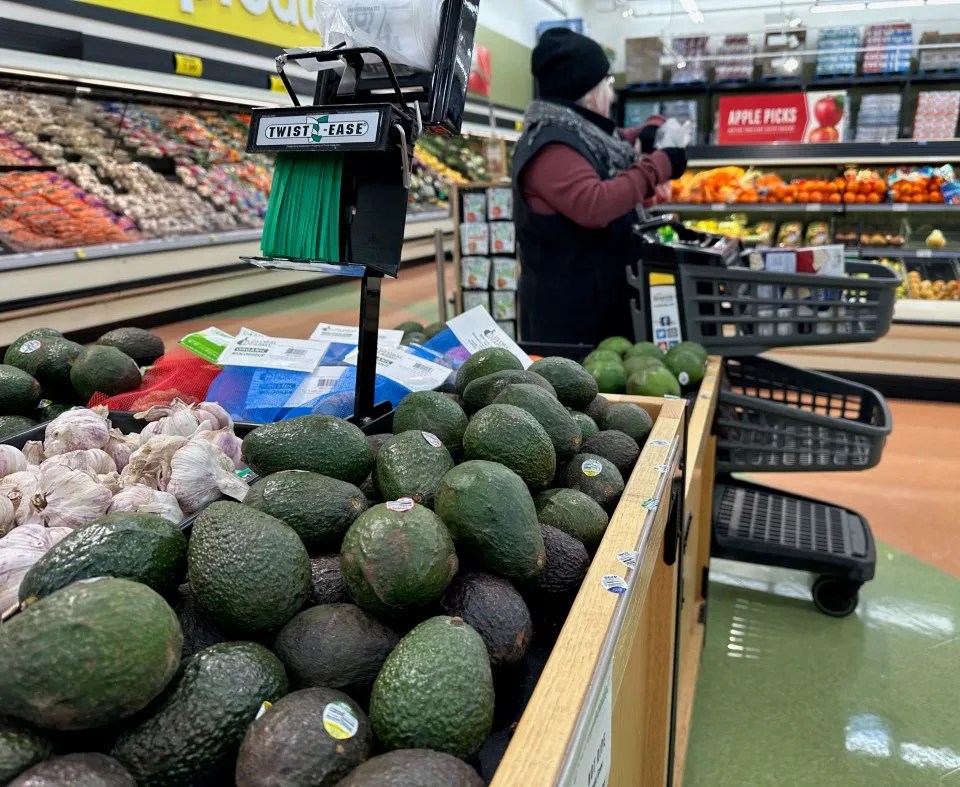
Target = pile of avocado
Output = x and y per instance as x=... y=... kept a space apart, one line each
x=643 y=369
x=43 y=373
x=417 y=333
x=317 y=631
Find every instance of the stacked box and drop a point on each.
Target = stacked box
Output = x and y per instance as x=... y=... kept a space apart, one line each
x=838 y=51
x=692 y=49
x=736 y=59
x=879 y=117
x=937 y=115
x=642 y=58
x=888 y=48
x=946 y=59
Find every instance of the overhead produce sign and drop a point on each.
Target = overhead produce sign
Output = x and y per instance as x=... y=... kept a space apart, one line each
x=781 y=117
x=285 y=23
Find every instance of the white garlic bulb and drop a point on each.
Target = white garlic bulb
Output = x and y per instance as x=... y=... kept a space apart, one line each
x=19 y=488
x=33 y=452
x=226 y=441
x=75 y=430
x=150 y=464
x=92 y=461
x=66 y=498
x=120 y=446
x=12 y=460
x=8 y=515
x=145 y=500
x=19 y=550
x=222 y=416
x=110 y=481
x=201 y=473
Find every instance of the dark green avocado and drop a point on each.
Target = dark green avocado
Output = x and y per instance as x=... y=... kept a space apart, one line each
x=413 y=768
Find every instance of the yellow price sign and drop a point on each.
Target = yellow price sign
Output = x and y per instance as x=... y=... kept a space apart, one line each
x=188 y=65
x=276 y=84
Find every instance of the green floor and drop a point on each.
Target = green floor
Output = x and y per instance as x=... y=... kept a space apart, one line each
x=790 y=697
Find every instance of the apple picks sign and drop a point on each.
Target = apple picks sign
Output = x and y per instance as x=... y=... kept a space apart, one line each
x=781 y=117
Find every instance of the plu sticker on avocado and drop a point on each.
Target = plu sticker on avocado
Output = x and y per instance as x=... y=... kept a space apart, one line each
x=432 y=439
x=339 y=721
x=31 y=346
x=683 y=378
x=263 y=709
x=591 y=468
x=401 y=505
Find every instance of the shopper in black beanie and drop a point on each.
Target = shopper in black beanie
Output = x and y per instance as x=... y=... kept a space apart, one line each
x=578 y=181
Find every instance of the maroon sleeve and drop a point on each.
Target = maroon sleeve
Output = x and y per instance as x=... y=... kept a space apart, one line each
x=560 y=180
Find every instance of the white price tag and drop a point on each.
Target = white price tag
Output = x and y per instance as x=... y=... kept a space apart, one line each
x=416 y=374
x=321 y=381
x=476 y=330
x=924 y=254
x=900 y=207
x=344 y=334
x=268 y=352
x=814 y=207
x=719 y=206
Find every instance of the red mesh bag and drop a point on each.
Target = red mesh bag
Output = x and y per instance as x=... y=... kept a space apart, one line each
x=177 y=375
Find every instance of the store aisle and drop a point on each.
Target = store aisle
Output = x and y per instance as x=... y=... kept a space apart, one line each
x=788 y=697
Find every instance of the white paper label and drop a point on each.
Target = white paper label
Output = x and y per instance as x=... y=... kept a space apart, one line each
x=629 y=559
x=412 y=372
x=432 y=439
x=296 y=355
x=591 y=468
x=339 y=721
x=476 y=330
x=401 y=505
x=591 y=765
x=614 y=583
x=321 y=381
x=659 y=443
x=665 y=316
x=30 y=346
x=344 y=334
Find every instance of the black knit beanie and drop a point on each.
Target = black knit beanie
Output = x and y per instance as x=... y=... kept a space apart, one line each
x=567 y=65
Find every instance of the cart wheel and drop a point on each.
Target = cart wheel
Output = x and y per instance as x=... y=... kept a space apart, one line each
x=835 y=597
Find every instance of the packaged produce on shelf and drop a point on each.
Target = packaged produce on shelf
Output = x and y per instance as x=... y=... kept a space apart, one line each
x=937 y=115
x=837 y=51
x=790 y=234
x=923 y=185
x=937 y=289
x=861 y=186
x=878 y=119
x=734 y=58
x=475 y=272
x=12 y=153
x=936 y=54
x=888 y=48
x=818 y=234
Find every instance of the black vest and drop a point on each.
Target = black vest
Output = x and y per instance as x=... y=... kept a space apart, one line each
x=573 y=287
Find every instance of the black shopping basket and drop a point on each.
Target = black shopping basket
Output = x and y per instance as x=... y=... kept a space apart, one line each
x=775 y=417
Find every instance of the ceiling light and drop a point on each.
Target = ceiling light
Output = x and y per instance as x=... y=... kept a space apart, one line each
x=878 y=4
x=693 y=11
x=836 y=8
x=626 y=13
x=797 y=21
x=943 y=2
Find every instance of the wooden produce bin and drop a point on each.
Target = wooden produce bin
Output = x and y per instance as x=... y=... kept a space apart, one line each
x=613 y=703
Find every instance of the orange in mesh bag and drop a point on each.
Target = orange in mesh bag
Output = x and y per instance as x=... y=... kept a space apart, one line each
x=177 y=375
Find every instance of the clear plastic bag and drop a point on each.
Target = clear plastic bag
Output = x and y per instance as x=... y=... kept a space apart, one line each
x=406 y=30
x=673 y=134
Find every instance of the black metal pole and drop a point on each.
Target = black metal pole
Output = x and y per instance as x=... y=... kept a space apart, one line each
x=367 y=347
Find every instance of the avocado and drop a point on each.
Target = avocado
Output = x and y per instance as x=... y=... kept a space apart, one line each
x=640 y=363
x=20 y=747
x=414 y=337
x=22 y=351
x=19 y=392
x=435 y=690
x=484 y=390
x=326 y=581
x=619 y=448
x=588 y=427
x=506 y=434
x=574 y=385
x=411 y=464
x=496 y=611
x=566 y=566
x=657 y=381
x=574 y=513
x=199 y=632
x=141 y=547
x=692 y=347
x=397 y=556
x=596 y=408
x=629 y=418
x=492 y=518
x=484 y=362
x=370 y=491
x=376 y=442
x=433 y=329
x=618 y=344
x=11 y=425
x=47 y=410
x=596 y=477
x=123 y=642
x=434 y=412
x=89 y=769
x=413 y=768
x=610 y=377
x=249 y=571
x=144 y=347
x=602 y=356
x=52 y=365
x=192 y=735
x=686 y=364
x=560 y=426
x=104 y=370
x=320 y=509
x=644 y=350
x=409 y=327
x=318 y=443
x=338 y=646
x=310 y=737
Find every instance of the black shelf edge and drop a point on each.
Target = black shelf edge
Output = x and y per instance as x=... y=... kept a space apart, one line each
x=899 y=207
x=750 y=207
x=941 y=255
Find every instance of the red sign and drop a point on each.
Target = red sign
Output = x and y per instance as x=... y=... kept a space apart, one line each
x=781 y=117
x=481 y=76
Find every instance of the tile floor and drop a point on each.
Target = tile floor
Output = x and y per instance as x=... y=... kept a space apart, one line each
x=788 y=697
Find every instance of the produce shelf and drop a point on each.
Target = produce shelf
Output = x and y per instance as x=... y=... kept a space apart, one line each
x=749 y=207
x=825 y=154
x=871 y=252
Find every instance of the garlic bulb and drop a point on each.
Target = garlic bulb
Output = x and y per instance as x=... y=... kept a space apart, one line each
x=223 y=417
x=12 y=460
x=226 y=441
x=119 y=447
x=75 y=430
x=19 y=550
x=201 y=474
x=92 y=461
x=145 y=500
x=150 y=464
x=67 y=498
x=33 y=452
x=8 y=515
x=19 y=488
x=109 y=481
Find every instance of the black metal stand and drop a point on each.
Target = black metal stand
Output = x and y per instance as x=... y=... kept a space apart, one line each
x=365 y=408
